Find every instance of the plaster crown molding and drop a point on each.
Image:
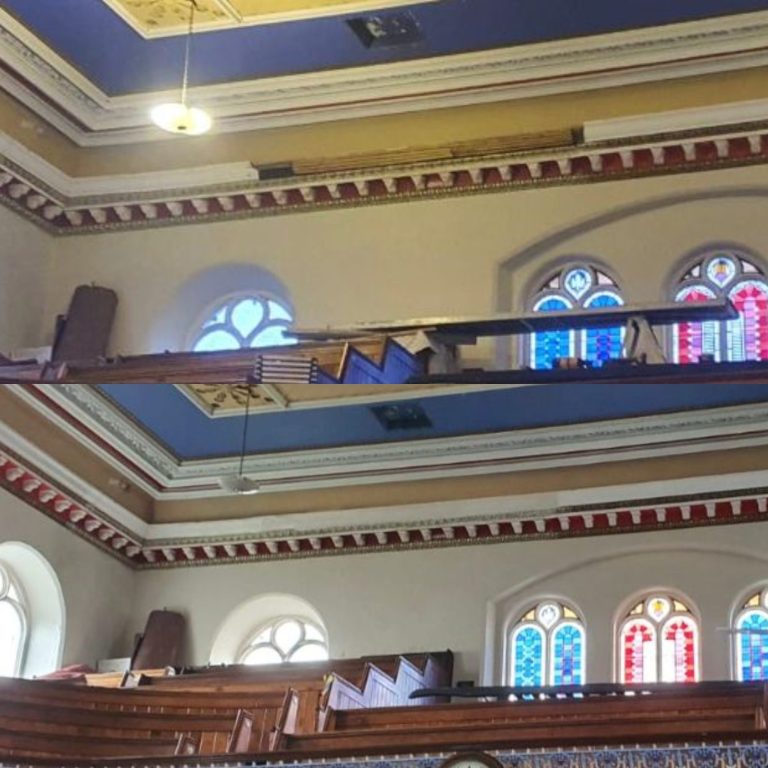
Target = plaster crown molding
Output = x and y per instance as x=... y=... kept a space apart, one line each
x=648 y=54
x=468 y=454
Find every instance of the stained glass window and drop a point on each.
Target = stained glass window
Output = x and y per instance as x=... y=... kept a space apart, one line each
x=751 y=638
x=286 y=639
x=12 y=625
x=245 y=322
x=577 y=286
x=546 y=647
x=659 y=642
x=718 y=275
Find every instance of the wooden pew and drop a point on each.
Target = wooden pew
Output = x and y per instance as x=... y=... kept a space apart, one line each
x=215 y=710
x=670 y=702
x=679 y=712
x=213 y=732
x=135 y=700
x=31 y=744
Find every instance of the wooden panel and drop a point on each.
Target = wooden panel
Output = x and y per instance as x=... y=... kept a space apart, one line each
x=85 y=333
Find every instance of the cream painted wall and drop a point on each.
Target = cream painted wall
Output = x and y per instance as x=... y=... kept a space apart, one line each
x=98 y=591
x=464 y=255
x=459 y=598
x=24 y=254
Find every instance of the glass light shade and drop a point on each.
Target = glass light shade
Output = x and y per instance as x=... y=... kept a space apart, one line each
x=181 y=119
x=240 y=485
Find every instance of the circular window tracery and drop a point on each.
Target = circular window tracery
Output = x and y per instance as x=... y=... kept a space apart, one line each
x=723 y=274
x=286 y=640
x=245 y=322
x=659 y=642
x=576 y=287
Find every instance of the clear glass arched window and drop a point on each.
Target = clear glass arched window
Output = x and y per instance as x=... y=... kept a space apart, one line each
x=576 y=286
x=286 y=639
x=659 y=642
x=13 y=625
x=245 y=322
x=751 y=638
x=546 y=647
x=724 y=273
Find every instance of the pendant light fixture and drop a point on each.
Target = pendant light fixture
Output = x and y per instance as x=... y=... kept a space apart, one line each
x=179 y=117
x=239 y=483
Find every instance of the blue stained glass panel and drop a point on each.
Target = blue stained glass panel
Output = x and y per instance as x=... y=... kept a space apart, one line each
x=567 y=655
x=601 y=344
x=753 y=646
x=546 y=346
x=528 y=655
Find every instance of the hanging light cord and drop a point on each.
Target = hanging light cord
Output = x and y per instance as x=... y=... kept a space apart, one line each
x=245 y=429
x=187 y=52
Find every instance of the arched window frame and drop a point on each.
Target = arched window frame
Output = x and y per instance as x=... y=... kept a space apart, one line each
x=253 y=641
x=641 y=613
x=756 y=605
x=225 y=305
x=724 y=340
x=12 y=595
x=531 y=620
x=559 y=288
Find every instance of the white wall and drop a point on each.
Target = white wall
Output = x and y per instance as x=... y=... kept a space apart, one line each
x=455 y=256
x=98 y=590
x=24 y=253
x=454 y=597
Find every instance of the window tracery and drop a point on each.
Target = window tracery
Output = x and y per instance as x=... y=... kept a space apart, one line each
x=724 y=274
x=243 y=322
x=12 y=625
x=284 y=640
x=576 y=286
x=546 y=647
x=751 y=638
x=659 y=642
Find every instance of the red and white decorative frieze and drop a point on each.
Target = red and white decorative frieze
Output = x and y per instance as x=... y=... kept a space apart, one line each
x=586 y=163
x=49 y=497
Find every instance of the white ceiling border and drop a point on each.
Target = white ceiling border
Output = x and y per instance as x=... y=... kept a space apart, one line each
x=469 y=455
x=644 y=55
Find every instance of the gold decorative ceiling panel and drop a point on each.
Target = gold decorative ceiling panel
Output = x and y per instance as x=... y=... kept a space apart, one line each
x=157 y=18
x=230 y=399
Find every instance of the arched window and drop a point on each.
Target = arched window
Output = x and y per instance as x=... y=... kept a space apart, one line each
x=13 y=624
x=286 y=639
x=751 y=638
x=724 y=273
x=577 y=286
x=546 y=647
x=243 y=322
x=659 y=642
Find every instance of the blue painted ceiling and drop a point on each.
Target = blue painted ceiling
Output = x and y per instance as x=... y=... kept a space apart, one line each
x=104 y=48
x=170 y=418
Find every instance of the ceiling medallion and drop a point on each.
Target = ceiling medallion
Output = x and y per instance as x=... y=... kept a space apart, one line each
x=179 y=117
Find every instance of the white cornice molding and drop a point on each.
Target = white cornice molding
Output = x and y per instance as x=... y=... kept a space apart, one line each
x=436 y=513
x=676 y=121
x=95 y=500
x=654 y=131
x=627 y=439
x=85 y=510
x=645 y=55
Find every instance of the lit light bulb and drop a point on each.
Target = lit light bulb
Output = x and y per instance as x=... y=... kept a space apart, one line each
x=181 y=119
